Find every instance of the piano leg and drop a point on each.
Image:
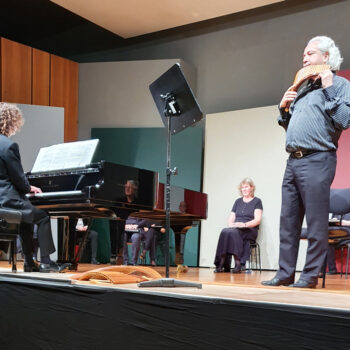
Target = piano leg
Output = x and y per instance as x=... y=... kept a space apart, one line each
x=82 y=243
x=116 y=229
x=63 y=240
x=67 y=242
x=178 y=248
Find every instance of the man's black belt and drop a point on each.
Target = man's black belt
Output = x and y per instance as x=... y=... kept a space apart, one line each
x=301 y=153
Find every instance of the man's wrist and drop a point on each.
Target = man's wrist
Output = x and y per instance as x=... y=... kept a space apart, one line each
x=330 y=92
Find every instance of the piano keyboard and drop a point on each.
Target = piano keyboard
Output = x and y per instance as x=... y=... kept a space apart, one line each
x=59 y=194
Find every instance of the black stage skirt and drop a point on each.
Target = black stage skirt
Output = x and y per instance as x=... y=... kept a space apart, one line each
x=235 y=241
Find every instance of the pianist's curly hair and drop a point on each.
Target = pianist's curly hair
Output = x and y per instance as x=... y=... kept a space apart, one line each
x=11 y=119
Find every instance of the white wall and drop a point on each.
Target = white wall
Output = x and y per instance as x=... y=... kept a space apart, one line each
x=43 y=126
x=245 y=60
x=240 y=144
x=116 y=94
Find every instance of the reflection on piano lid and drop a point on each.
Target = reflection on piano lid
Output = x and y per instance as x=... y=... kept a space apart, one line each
x=196 y=202
x=196 y=207
x=98 y=190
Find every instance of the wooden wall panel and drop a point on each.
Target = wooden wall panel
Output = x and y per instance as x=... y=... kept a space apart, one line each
x=40 y=78
x=64 y=93
x=16 y=72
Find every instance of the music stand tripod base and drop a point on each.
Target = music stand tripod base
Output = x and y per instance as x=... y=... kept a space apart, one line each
x=169 y=282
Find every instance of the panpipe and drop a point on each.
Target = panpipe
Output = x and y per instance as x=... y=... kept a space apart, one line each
x=306 y=73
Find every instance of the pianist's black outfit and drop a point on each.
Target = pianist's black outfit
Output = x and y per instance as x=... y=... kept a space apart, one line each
x=13 y=188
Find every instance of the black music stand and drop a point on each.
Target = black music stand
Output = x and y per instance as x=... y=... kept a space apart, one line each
x=179 y=109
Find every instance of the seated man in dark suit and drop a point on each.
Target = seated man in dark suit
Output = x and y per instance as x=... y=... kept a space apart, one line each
x=116 y=227
x=13 y=189
x=139 y=230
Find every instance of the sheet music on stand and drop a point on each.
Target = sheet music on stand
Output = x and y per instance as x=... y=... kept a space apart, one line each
x=70 y=155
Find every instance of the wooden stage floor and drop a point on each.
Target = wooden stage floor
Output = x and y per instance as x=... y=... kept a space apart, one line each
x=244 y=286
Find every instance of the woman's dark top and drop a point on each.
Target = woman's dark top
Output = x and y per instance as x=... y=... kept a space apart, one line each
x=245 y=211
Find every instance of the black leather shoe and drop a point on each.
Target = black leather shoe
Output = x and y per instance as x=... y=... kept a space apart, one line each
x=236 y=269
x=67 y=266
x=303 y=284
x=277 y=282
x=94 y=262
x=53 y=267
x=218 y=270
x=31 y=267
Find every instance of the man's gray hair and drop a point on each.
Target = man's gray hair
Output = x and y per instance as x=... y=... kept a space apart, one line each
x=326 y=44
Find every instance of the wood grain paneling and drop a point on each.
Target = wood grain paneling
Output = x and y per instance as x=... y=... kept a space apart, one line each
x=16 y=72
x=40 y=78
x=64 y=93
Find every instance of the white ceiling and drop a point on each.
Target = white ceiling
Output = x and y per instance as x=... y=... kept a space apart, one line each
x=129 y=18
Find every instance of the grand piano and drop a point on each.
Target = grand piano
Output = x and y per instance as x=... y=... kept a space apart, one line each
x=98 y=191
x=95 y=191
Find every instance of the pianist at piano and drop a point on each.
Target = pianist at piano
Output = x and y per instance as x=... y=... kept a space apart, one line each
x=13 y=188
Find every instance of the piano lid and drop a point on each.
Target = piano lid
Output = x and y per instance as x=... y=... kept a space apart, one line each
x=103 y=184
x=184 y=201
x=185 y=205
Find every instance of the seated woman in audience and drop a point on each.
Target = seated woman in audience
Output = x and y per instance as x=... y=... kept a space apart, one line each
x=243 y=225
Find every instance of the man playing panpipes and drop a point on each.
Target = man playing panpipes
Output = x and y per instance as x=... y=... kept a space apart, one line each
x=314 y=117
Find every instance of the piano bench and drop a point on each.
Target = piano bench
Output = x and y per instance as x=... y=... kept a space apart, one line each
x=10 y=220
